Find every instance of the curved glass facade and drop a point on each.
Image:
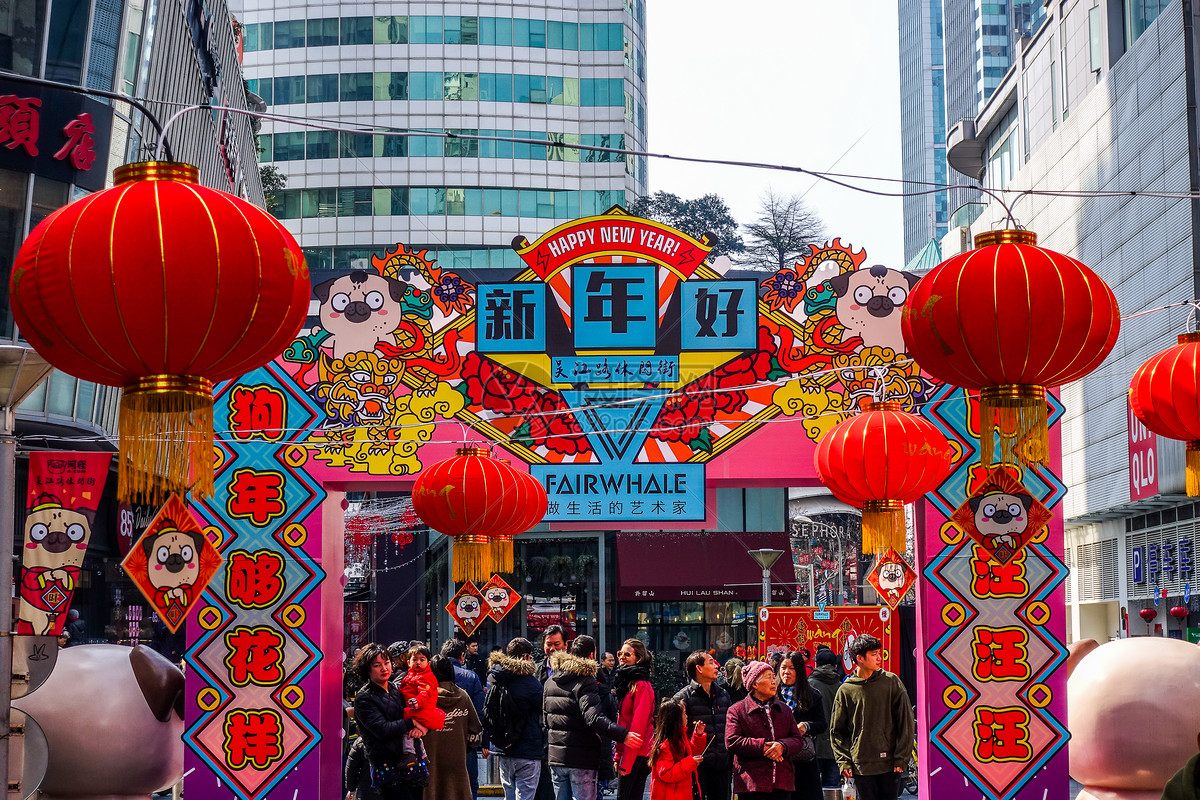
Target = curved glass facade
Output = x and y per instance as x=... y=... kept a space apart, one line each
x=572 y=75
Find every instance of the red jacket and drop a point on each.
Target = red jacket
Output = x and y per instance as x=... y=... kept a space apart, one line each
x=422 y=688
x=636 y=716
x=674 y=776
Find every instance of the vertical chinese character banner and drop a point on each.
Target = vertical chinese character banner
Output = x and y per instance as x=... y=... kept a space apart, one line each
x=64 y=493
x=992 y=621
x=258 y=659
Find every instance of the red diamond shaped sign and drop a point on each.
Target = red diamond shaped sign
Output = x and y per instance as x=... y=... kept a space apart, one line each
x=891 y=577
x=1001 y=515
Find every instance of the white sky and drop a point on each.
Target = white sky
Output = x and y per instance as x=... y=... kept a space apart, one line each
x=791 y=82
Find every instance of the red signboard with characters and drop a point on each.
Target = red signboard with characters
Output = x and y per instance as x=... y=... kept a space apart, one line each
x=789 y=628
x=466 y=608
x=499 y=598
x=1143 y=458
x=174 y=560
x=54 y=133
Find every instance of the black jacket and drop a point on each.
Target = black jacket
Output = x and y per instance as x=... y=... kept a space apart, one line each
x=357 y=774
x=826 y=679
x=814 y=715
x=381 y=722
x=711 y=710
x=526 y=692
x=573 y=713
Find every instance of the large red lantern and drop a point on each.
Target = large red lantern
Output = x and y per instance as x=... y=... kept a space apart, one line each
x=532 y=503
x=1165 y=396
x=163 y=287
x=470 y=498
x=879 y=460
x=1010 y=319
x=1179 y=612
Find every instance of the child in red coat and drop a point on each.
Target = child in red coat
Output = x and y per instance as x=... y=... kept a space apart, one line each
x=420 y=690
x=673 y=758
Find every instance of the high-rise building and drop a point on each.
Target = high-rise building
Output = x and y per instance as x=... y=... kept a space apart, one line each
x=922 y=122
x=953 y=56
x=549 y=77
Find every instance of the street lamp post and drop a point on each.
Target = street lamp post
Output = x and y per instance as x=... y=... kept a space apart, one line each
x=765 y=557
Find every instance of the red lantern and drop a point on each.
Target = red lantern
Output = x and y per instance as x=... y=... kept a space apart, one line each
x=1165 y=396
x=163 y=287
x=1010 y=319
x=1148 y=614
x=1179 y=612
x=880 y=460
x=470 y=498
x=531 y=496
x=360 y=530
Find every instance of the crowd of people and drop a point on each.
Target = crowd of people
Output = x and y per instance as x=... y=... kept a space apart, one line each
x=576 y=723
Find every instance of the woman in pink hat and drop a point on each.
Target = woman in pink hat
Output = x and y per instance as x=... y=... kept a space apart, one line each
x=762 y=737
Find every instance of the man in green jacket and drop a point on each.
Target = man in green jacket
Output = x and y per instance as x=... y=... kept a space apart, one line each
x=872 y=726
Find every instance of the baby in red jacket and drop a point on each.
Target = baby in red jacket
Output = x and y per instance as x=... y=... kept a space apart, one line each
x=419 y=688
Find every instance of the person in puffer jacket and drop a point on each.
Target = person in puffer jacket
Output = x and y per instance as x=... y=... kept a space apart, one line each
x=521 y=762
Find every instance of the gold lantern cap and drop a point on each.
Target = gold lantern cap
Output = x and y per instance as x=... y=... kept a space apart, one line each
x=1005 y=236
x=156 y=171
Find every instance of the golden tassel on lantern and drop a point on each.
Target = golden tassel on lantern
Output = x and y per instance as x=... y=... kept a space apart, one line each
x=883 y=526
x=1192 y=469
x=166 y=439
x=472 y=559
x=1016 y=415
x=502 y=553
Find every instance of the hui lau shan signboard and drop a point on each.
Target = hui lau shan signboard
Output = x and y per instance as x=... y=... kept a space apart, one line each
x=617 y=366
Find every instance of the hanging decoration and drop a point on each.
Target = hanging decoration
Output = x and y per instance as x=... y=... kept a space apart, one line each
x=499 y=597
x=162 y=287
x=1010 y=319
x=466 y=608
x=470 y=498
x=173 y=561
x=1165 y=395
x=1001 y=515
x=891 y=577
x=879 y=460
x=531 y=496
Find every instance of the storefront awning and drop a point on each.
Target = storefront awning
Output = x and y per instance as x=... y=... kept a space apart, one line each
x=698 y=566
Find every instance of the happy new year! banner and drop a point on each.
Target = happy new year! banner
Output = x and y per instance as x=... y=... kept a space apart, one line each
x=64 y=493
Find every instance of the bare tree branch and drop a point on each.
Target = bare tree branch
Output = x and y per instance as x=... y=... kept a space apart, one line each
x=781 y=234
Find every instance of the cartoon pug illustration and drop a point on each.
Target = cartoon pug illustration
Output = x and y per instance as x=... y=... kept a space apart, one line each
x=173 y=562
x=56 y=540
x=360 y=310
x=891 y=576
x=869 y=303
x=497 y=598
x=468 y=610
x=1001 y=518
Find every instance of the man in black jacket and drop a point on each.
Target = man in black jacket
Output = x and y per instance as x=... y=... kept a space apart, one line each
x=575 y=722
x=520 y=762
x=708 y=702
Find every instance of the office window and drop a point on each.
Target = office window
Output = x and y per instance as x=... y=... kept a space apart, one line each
x=460 y=86
x=357 y=85
x=289 y=89
x=391 y=30
x=500 y=202
x=289 y=146
x=323 y=32
x=264 y=143
x=357 y=145
x=355 y=201
x=529 y=33
x=496 y=87
x=425 y=146
x=425 y=30
x=425 y=85
x=318 y=259
x=322 y=89
x=534 y=152
x=320 y=144
x=356 y=30
x=564 y=91
x=289 y=204
x=462 y=148
x=388 y=202
x=1095 y=44
x=529 y=88
x=562 y=35
x=391 y=85
x=427 y=201
x=318 y=203
x=494 y=30
x=257 y=36
x=495 y=149
x=456 y=202
x=289 y=34
x=559 y=151
x=263 y=87
x=469 y=30
x=394 y=146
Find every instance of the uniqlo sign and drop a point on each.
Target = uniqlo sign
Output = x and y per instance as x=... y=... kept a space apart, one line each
x=1143 y=458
